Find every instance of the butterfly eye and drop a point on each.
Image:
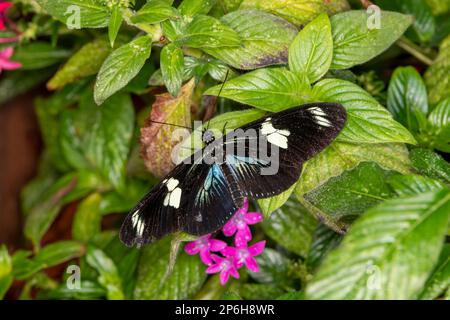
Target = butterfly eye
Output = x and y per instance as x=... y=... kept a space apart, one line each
x=208 y=136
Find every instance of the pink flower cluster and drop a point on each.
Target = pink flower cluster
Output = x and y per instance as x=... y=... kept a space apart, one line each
x=5 y=54
x=233 y=258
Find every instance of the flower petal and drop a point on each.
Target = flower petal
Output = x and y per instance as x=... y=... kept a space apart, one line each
x=251 y=264
x=257 y=248
x=229 y=252
x=229 y=228
x=217 y=245
x=253 y=217
x=224 y=276
x=7 y=52
x=216 y=258
x=214 y=268
x=234 y=273
x=205 y=256
x=191 y=248
x=5 y=5
x=245 y=205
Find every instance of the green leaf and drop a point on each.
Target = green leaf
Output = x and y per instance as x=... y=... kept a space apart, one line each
x=5 y=283
x=254 y=291
x=298 y=12
x=158 y=142
x=430 y=164
x=6 y=277
x=115 y=21
x=207 y=32
x=37 y=55
x=324 y=240
x=193 y=7
x=153 y=280
x=108 y=275
x=436 y=77
x=292 y=227
x=85 y=62
x=367 y=120
x=407 y=98
x=439 y=280
x=357 y=38
x=58 y=252
x=353 y=192
x=273 y=269
x=272 y=89
x=88 y=290
x=377 y=258
x=339 y=157
x=265 y=40
x=269 y=205
x=78 y=14
x=154 y=11
x=172 y=67
x=409 y=185
x=114 y=202
x=87 y=220
x=122 y=65
x=439 y=119
x=312 y=49
x=424 y=25
x=439 y=6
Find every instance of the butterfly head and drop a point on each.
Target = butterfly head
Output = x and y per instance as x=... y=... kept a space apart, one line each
x=208 y=136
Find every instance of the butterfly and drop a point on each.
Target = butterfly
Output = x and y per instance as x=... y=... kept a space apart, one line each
x=199 y=196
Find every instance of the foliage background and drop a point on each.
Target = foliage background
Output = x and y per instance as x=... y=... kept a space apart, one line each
x=368 y=217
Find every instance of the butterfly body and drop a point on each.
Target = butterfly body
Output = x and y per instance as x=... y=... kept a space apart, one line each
x=258 y=160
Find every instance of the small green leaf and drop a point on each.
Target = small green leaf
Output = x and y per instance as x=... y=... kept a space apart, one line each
x=5 y=262
x=108 y=274
x=122 y=65
x=207 y=32
x=339 y=157
x=172 y=67
x=154 y=11
x=87 y=220
x=153 y=281
x=89 y=290
x=407 y=98
x=85 y=62
x=367 y=120
x=273 y=89
x=411 y=184
x=115 y=21
x=439 y=280
x=292 y=227
x=273 y=269
x=431 y=164
x=377 y=258
x=312 y=50
x=265 y=40
x=439 y=119
x=58 y=252
x=37 y=55
x=269 y=205
x=436 y=77
x=357 y=38
x=5 y=283
x=78 y=14
x=193 y=7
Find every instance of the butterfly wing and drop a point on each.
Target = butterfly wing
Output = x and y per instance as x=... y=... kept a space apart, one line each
x=295 y=135
x=194 y=197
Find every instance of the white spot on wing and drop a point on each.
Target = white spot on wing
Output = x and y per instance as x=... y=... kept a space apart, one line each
x=322 y=121
x=173 y=195
x=317 y=111
x=275 y=136
x=175 y=198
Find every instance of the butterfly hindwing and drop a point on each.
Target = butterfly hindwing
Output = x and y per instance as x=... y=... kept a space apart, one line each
x=297 y=134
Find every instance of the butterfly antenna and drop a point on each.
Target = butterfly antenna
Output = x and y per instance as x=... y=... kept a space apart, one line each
x=170 y=124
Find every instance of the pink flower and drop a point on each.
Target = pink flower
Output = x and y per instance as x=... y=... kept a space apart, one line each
x=244 y=255
x=226 y=267
x=3 y=7
x=203 y=246
x=5 y=63
x=239 y=222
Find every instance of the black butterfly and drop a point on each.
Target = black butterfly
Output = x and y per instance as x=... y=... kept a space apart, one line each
x=199 y=197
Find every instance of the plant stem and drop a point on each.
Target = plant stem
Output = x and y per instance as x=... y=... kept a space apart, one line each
x=414 y=50
x=331 y=223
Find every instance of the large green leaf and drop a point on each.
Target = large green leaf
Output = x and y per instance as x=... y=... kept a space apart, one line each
x=193 y=7
x=407 y=98
x=367 y=121
x=292 y=227
x=311 y=51
x=357 y=41
x=85 y=62
x=412 y=184
x=37 y=55
x=439 y=119
x=154 y=281
x=439 y=281
x=268 y=89
x=431 y=164
x=87 y=220
x=122 y=65
x=154 y=11
x=378 y=258
x=324 y=240
x=265 y=40
x=353 y=192
x=78 y=14
x=436 y=77
x=207 y=32
x=339 y=157
x=172 y=67
x=6 y=277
